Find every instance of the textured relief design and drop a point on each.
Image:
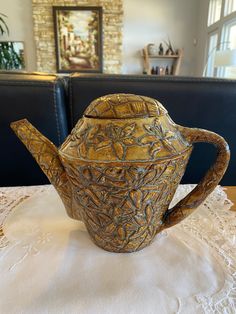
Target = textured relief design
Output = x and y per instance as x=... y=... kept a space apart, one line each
x=116 y=137
x=160 y=138
x=91 y=139
x=124 y=127
x=122 y=207
x=111 y=136
x=122 y=106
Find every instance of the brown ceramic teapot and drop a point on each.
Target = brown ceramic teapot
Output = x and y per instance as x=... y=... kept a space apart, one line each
x=119 y=168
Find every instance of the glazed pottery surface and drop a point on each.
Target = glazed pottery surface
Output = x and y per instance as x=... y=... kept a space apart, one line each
x=119 y=168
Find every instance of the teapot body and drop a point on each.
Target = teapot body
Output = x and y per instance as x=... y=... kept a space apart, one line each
x=123 y=174
x=119 y=168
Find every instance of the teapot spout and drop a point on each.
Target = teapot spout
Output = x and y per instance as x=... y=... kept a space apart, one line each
x=46 y=155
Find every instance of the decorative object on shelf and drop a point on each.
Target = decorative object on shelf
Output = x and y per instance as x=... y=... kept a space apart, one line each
x=152 y=49
x=12 y=55
x=78 y=36
x=119 y=168
x=167 y=70
x=170 y=50
x=161 y=50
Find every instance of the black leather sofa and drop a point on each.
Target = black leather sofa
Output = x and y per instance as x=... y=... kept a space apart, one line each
x=40 y=99
x=54 y=104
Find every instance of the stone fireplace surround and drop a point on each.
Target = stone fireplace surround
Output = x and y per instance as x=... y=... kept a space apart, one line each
x=45 y=40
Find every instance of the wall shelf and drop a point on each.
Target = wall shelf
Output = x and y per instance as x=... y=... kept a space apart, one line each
x=176 y=60
x=164 y=56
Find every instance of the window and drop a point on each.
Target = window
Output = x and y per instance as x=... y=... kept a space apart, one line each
x=229 y=34
x=221 y=35
x=230 y=6
x=214 y=11
x=211 y=48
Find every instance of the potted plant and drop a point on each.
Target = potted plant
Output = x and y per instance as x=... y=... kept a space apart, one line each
x=10 y=59
x=3 y=24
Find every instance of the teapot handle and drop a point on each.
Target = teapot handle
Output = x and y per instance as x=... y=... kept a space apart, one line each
x=190 y=202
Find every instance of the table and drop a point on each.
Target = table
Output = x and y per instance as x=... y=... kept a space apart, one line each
x=231 y=192
x=49 y=264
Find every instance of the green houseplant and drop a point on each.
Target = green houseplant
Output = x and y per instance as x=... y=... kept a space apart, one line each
x=3 y=25
x=10 y=59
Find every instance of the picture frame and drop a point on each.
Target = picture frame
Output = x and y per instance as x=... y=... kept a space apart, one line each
x=12 y=55
x=78 y=38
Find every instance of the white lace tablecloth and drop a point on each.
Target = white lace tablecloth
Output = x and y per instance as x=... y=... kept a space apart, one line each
x=48 y=263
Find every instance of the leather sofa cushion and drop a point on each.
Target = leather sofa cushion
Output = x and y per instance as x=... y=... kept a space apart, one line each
x=40 y=99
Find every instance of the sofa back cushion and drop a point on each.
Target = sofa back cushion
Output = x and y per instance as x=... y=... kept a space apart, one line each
x=41 y=100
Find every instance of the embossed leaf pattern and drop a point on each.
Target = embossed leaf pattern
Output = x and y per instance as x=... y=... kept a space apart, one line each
x=81 y=139
x=83 y=150
x=113 y=131
x=126 y=218
x=93 y=132
x=148 y=139
x=137 y=176
x=140 y=219
x=121 y=233
x=103 y=144
x=87 y=174
x=118 y=133
x=104 y=220
x=149 y=128
x=151 y=175
x=154 y=149
x=133 y=177
x=152 y=230
x=117 y=138
x=148 y=211
x=136 y=197
x=158 y=137
x=78 y=138
x=129 y=141
x=110 y=228
x=118 y=150
x=128 y=130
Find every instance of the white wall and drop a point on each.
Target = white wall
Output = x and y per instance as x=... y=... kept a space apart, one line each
x=152 y=21
x=20 y=24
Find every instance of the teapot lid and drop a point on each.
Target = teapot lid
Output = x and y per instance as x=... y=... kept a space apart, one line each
x=122 y=106
x=124 y=127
